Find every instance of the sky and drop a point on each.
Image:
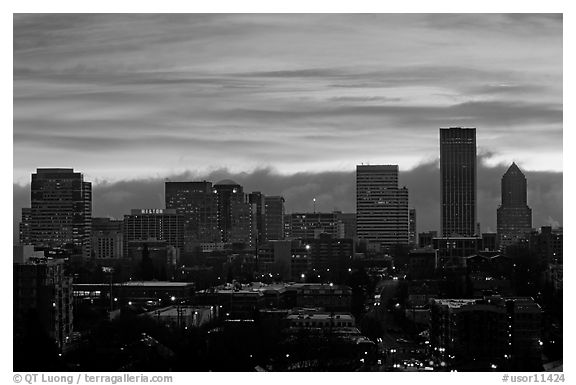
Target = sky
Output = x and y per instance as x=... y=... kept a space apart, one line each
x=283 y=101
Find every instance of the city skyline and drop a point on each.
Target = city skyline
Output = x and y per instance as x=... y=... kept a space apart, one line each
x=311 y=93
x=333 y=190
x=288 y=193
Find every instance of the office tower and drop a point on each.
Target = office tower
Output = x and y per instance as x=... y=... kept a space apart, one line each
x=107 y=238
x=514 y=217
x=274 y=218
x=412 y=227
x=234 y=213
x=311 y=225
x=42 y=295
x=61 y=211
x=197 y=203
x=458 y=181
x=381 y=207
x=257 y=202
x=154 y=224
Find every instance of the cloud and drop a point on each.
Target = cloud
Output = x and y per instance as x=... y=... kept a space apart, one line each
x=333 y=191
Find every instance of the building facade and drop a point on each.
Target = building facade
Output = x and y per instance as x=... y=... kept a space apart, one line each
x=42 y=294
x=494 y=332
x=154 y=224
x=382 y=216
x=513 y=217
x=60 y=215
x=234 y=213
x=412 y=234
x=458 y=181
x=197 y=203
x=274 y=218
x=107 y=238
x=311 y=225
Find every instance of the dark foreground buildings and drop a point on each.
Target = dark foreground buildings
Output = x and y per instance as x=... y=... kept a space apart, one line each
x=487 y=334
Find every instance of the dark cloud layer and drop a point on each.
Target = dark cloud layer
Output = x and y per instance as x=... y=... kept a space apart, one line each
x=333 y=191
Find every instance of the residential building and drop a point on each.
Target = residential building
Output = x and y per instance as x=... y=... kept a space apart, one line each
x=42 y=295
x=490 y=333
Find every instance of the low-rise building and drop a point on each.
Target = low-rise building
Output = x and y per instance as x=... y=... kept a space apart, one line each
x=492 y=332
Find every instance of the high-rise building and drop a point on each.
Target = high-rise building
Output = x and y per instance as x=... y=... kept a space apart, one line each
x=311 y=225
x=458 y=181
x=61 y=211
x=154 y=224
x=197 y=203
x=107 y=238
x=257 y=202
x=274 y=218
x=382 y=216
x=514 y=217
x=234 y=212
x=42 y=295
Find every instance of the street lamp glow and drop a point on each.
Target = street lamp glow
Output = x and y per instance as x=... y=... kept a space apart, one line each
x=173 y=298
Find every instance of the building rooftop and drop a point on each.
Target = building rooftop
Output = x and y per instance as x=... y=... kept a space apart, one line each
x=226 y=182
x=156 y=283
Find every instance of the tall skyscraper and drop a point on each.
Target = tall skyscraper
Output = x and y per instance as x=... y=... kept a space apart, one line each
x=197 y=203
x=513 y=217
x=381 y=207
x=458 y=181
x=274 y=218
x=61 y=211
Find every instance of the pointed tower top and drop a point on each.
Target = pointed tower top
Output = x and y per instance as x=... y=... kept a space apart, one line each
x=514 y=169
